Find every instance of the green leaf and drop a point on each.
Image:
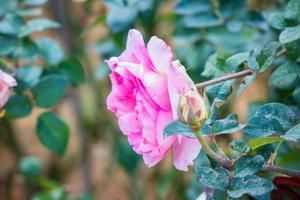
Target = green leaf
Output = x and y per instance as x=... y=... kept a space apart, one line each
x=277 y=20
x=35 y=2
x=217 y=178
x=18 y=106
x=10 y=24
x=282 y=113
x=290 y=34
x=252 y=62
x=201 y=21
x=50 y=50
x=220 y=91
x=187 y=7
x=26 y=50
x=29 y=74
x=7 y=45
x=233 y=62
x=178 y=128
x=286 y=76
x=50 y=90
x=240 y=145
x=293 y=134
x=35 y=25
x=267 y=55
x=262 y=127
x=259 y=142
x=260 y=61
x=228 y=125
x=252 y=185
x=271 y=118
x=73 y=70
x=292 y=10
x=206 y=129
x=7 y=7
x=30 y=166
x=52 y=132
x=247 y=165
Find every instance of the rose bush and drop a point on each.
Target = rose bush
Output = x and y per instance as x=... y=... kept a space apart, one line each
x=146 y=88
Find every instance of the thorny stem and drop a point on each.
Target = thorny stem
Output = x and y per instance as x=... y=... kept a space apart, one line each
x=229 y=163
x=225 y=78
x=240 y=74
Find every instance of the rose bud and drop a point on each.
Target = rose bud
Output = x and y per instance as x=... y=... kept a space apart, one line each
x=192 y=109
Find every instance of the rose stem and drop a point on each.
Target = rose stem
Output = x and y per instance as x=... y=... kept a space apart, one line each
x=229 y=163
x=223 y=161
x=225 y=78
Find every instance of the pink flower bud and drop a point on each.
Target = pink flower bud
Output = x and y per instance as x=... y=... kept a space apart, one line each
x=192 y=109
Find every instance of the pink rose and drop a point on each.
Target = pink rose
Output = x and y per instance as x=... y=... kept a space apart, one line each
x=146 y=87
x=6 y=81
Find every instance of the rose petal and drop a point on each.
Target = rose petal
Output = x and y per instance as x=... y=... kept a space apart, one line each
x=128 y=123
x=151 y=160
x=156 y=86
x=160 y=54
x=185 y=152
x=4 y=93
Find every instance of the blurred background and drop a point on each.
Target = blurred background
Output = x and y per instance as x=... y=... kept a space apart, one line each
x=99 y=163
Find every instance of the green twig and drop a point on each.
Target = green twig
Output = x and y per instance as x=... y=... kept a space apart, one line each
x=273 y=156
x=219 y=149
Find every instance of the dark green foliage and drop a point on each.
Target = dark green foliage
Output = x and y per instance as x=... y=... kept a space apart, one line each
x=247 y=165
x=223 y=126
x=52 y=132
x=50 y=90
x=218 y=93
x=18 y=106
x=270 y=119
x=73 y=70
x=178 y=128
x=217 y=178
x=252 y=185
x=285 y=76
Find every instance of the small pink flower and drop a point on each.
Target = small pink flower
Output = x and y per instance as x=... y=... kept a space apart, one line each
x=146 y=87
x=6 y=81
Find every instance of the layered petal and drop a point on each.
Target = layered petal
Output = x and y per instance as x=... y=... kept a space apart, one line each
x=4 y=93
x=160 y=54
x=184 y=152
